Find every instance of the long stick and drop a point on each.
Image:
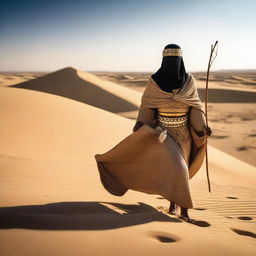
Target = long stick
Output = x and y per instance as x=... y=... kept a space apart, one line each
x=211 y=59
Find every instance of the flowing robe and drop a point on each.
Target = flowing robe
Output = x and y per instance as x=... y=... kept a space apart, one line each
x=139 y=162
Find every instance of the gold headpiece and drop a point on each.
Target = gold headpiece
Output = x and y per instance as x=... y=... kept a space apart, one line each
x=172 y=52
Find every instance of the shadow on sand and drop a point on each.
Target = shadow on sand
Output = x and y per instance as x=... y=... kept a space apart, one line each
x=80 y=216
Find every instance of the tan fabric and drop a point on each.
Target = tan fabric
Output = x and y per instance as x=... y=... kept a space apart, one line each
x=187 y=94
x=184 y=99
x=141 y=163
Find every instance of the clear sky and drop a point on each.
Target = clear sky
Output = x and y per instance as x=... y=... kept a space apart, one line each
x=125 y=35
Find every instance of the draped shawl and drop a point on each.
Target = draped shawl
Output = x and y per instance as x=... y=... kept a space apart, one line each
x=153 y=98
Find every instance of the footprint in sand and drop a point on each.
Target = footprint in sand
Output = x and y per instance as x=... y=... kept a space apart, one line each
x=163 y=237
x=244 y=232
x=245 y=218
x=232 y=197
x=242 y=148
x=199 y=209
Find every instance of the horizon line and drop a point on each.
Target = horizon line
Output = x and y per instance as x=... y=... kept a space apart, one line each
x=121 y=71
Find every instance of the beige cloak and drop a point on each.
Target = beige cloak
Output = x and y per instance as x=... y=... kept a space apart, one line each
x=141 y=163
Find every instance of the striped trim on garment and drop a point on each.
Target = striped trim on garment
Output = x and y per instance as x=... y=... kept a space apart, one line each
x=173 y=121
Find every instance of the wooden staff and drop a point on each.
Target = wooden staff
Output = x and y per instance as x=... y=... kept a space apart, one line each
x=211 y=59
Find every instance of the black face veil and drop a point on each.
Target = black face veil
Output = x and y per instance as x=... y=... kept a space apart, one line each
x=172 y=73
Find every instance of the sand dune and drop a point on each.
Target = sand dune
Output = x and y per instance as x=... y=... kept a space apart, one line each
x=84 y=87
x=233 y=78
x=228 y=96
x=50 y=189
x=11 y=78
x=44 y=115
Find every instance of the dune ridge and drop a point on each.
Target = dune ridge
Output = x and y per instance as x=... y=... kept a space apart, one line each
x=84 y=87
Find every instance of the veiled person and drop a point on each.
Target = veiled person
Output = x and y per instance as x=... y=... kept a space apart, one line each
x=167 y=146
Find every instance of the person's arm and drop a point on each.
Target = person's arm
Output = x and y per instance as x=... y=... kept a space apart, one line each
x=197 y=115
x=145 y=116
x=198 y=121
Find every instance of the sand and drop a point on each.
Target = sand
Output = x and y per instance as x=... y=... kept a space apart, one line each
x=11 y=78
x=53 y=203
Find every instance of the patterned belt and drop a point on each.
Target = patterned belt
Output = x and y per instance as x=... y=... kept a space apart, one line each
x=173 y=121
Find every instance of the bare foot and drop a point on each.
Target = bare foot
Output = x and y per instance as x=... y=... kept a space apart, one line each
x=172 y=208
x=184 y=212
x=184 y=215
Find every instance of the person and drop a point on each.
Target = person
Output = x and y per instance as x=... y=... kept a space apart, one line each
x=168 y=142
x=170 y=77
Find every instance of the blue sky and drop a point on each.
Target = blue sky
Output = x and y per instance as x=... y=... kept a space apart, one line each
x=125 y=35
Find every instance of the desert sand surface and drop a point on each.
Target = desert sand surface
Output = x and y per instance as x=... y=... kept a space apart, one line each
x=52 y=200
x=11 y=78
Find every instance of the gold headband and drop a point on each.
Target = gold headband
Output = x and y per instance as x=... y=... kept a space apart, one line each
x=172 y=52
